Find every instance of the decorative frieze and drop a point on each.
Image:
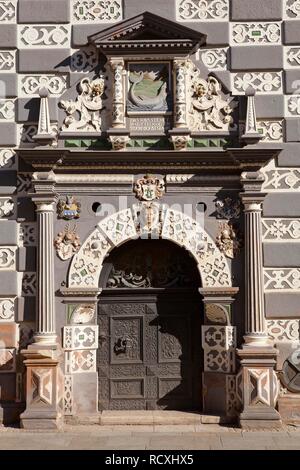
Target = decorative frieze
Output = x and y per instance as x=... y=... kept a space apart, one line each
x=7 y=159
x=262 y=82
x=277 y=230
x=80 y=361
x=7 y=309
x=6 y=207
x=7 y=61
x=84 y=59
x=280 y=179
x=7 y=361
x=292 y=105
x=29 y=284
x=209 y=10
x=287 y=279
x=97 y=11
x=8 y=258
x=291 y=9
x=31 y=84
x=219 y=343
x=7 y=110
x=292 y=58
x=283 y=330
x=247 y=34
x=214 y=59
x=8 y=9
x=44 y=36
x=80 y=337
x=27 y=234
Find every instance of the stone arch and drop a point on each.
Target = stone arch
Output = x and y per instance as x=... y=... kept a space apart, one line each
x=173 y=225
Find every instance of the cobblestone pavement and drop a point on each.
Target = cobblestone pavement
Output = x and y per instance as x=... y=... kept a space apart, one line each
x=185 y=437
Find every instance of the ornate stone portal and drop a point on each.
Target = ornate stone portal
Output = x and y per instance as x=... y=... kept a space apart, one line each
x=111 y=111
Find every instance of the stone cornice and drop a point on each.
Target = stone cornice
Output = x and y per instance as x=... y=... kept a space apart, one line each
x=224 y=161
x=147 y=34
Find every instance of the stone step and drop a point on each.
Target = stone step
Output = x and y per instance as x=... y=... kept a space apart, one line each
x=143 y=417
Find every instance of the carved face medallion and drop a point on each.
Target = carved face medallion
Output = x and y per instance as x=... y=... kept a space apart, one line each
x=149 y=188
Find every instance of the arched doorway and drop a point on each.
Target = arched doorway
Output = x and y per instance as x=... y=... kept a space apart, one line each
x=150 y=315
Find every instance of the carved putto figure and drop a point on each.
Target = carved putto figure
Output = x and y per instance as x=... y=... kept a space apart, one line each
x=208 y=110
x=67 y=243
x=149 y=188
x=228 y=240
x=68 y=209
x=84 y=114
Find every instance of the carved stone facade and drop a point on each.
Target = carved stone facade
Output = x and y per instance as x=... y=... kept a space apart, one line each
x=123 y=130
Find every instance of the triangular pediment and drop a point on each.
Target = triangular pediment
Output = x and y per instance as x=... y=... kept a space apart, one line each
x=150 y=29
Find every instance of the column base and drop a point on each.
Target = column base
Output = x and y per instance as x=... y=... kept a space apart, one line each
x=41 y=420
x=45 y=340
x=260 y=419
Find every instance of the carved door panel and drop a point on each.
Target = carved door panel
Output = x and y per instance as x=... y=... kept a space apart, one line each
x=149 y=352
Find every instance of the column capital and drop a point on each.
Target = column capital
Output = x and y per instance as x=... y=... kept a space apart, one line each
x=252 y=196
x=116 y=62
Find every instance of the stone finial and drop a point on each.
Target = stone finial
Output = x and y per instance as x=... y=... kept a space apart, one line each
x=45 y=135
x=251 y=134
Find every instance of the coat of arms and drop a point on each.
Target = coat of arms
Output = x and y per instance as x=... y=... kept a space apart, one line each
x=68 y=209
x=67 y=243
x=149 y=188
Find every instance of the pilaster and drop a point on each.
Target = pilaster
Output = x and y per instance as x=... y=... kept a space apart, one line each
x=118 y=134
x=257 y=381
x=180 y=134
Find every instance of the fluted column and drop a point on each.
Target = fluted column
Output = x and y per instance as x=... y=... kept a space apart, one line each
x=45 y=272
x=257 y=382
x=256 y=331
x=45 y=200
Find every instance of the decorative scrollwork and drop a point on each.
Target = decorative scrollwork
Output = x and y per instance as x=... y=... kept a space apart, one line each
x=208 y=110
x=88 y=105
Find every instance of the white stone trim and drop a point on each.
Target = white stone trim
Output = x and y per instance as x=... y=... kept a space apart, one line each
x=120 y=227
x=193 y=11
